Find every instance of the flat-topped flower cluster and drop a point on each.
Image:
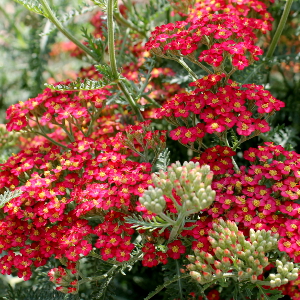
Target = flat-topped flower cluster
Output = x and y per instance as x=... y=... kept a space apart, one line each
x=89 y=181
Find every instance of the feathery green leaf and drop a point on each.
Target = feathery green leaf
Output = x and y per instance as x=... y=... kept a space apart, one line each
x=33 y=6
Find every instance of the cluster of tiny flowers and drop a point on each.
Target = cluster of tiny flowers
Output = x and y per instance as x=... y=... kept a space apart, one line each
x=262 y=196
x=226 y=36
x=58 y=190
x=56 y=108
x=114 y=238
x=234 y=256
x=218 y=158
x=243 y=8
x=152 y=257
x=243 y=108
x=140 y=138
x=178 y=193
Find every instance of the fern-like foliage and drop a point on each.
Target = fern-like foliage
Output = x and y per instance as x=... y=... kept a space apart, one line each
x=32 y=5
x=258 y=71
x=163 y=160
x=174 y=280
x=106 y=71
x=140 y=224
x=102 y=289
x=156 y=8
x=176 y=284
x=38 y=294
x=96 y=45
x=237 y=291
x=7 y=196
x=65 y=18
x=103 y=4
x=81 y=85
x=286 y=136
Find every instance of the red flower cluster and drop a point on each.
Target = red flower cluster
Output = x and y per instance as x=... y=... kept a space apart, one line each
x=234 y=35
x=56 y=108
x=244 y=108
x=260 y=197
x=59 y=190
x=241 y=8
x=152 y=257
x=218 y=158
x=114 y=239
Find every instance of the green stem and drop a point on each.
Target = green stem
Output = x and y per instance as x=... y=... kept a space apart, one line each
x=279 y=29
x=152 y=101
x=127 y=23
x=111 y=38
x=45 y=135
x=179 y=280
x=262 y=291
x=161 y=287
x=96 y=278
x=70 y=136
x=182 y=62
x=167 y=219
x=51 y=16
x=51 y=140
x=235 y=166
x=193 y=60
x=112 y=58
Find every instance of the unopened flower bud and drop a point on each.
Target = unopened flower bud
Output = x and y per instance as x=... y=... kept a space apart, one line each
x=191 y=267
x=217 y=264
x=219 y=273
x=249 y=271
x=209 y=258
x=208 y=179
x=207 y=276
x=197 y=276
x=191 y=258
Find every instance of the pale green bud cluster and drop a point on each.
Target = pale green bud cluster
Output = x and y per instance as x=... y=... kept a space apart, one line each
x=235 y=257
x=191 y=183
x=153 y=199
x=286 y=272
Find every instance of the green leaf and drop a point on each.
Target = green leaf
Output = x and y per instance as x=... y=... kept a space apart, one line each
x=103 y=4
x=165 y=284
x=81 y=85
x=7 y=196
x=140 y=223
x=163 y=160
x=272 y=294
x=32 y=5
x=96 y=45
x=69 y=16
x=106 y=71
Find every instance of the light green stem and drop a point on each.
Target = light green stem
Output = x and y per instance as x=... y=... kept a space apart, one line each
x=182 y=62
x=112 y=58
x=152 y=101
x=235 y=166
x=279 y=29
x=51 y=16
x=166 y=218
x=96 y=278
x=128 y=24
